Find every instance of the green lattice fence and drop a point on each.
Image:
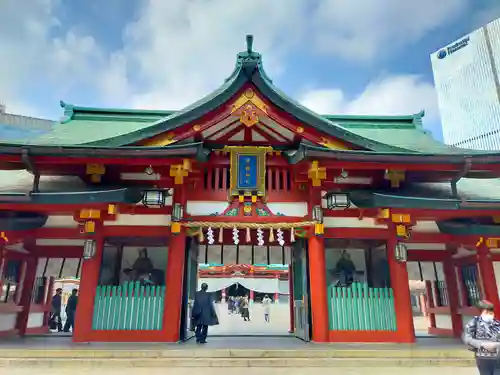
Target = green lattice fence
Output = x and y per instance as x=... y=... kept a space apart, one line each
x=360 y=308
x=130 y=306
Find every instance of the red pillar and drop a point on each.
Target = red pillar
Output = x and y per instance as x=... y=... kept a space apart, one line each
x=450 y=279
x=174 y=277
x=317 y=279
x=25 y=298
x=401 y=290
x=291 y=299
x=86 y=293
x=487 y=274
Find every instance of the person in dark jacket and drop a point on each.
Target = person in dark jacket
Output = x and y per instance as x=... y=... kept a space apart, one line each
x=71 y=310
x=482 y=334
x=203 y=314
x=55 y=318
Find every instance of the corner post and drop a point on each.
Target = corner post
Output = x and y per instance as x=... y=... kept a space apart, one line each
x=450 y=278
x=175 y=276
x=487 y=274
x=317 y=279
x=291 y=299
x=25 y=298
x=91 y=269
x=401 y=290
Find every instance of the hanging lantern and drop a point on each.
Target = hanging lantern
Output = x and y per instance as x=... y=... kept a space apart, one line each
x=89 y=249
x=317 y=214
x=177 y=212
x=337 y=200
x=401 y=252
x=154 y=198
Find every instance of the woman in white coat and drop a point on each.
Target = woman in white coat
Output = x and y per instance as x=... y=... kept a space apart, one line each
x=266 y=304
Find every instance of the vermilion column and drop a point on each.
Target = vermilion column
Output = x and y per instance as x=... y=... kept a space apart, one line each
x=487 y=274
x=401 y=290
x=450 y=278
x=86 y=293
x=291 y=299
x=174 y=278
x=317 y=279
x=25 y=298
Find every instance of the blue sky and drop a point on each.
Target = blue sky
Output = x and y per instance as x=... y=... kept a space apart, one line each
x=336 y=56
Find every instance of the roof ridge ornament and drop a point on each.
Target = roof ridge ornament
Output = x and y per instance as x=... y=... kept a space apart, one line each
x=249 y=43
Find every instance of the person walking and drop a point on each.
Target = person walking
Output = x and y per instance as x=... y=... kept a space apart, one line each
x=203 y=314
x=266 y=304
x=245 y=311
x=71 y=310
x=482 y=334
x=55 y=321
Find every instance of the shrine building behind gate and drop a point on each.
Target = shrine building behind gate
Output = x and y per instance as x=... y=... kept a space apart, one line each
x=357 y=206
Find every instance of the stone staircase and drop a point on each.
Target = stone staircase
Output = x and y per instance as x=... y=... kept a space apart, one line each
x=177 y=357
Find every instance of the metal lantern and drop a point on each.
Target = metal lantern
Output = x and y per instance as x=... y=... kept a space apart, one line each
x=317 y=214
x=154 y=198
x=337 y=200
x=89 y=249
x=177 y=212
x=401 y=252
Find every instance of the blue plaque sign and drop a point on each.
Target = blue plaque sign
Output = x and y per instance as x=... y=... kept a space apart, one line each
x=247 y=172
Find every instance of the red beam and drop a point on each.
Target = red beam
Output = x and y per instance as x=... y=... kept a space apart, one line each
x=70 y=209
x=426 y=255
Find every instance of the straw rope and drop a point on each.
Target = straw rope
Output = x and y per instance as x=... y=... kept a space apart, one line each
x=206 y=224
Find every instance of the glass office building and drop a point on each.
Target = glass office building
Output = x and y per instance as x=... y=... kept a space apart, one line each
x=466 y=75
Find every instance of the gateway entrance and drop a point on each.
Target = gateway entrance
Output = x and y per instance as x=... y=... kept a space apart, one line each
x=271 y=280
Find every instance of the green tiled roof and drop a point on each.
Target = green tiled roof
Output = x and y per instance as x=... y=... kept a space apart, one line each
x=121 y=127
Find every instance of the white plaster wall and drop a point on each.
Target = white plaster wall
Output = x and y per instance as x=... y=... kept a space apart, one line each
x=201 y=208
x=7 y=321
x=426 y=227
x=35 y=320
x=288 y=209
x=443 y=321
x=139 y=220
x=426 y=246
x=351 y=222
x=60 y=222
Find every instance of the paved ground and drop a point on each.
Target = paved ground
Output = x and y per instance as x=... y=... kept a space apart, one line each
x=253 y=371
x=235 y=325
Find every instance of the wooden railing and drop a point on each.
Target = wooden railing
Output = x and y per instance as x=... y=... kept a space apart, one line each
x=130 y=306
x=360 y=308
x=279 y=183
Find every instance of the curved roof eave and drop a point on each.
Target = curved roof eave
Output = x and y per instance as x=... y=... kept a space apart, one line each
x=203 y=106
x=249 y=68
x=278 y=98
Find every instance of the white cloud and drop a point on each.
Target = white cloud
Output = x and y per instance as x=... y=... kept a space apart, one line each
x=390 y=95
x=363 y=29
x=176 y=51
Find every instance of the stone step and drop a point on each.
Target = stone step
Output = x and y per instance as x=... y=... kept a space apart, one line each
x=405 y=352
x=165 y=362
